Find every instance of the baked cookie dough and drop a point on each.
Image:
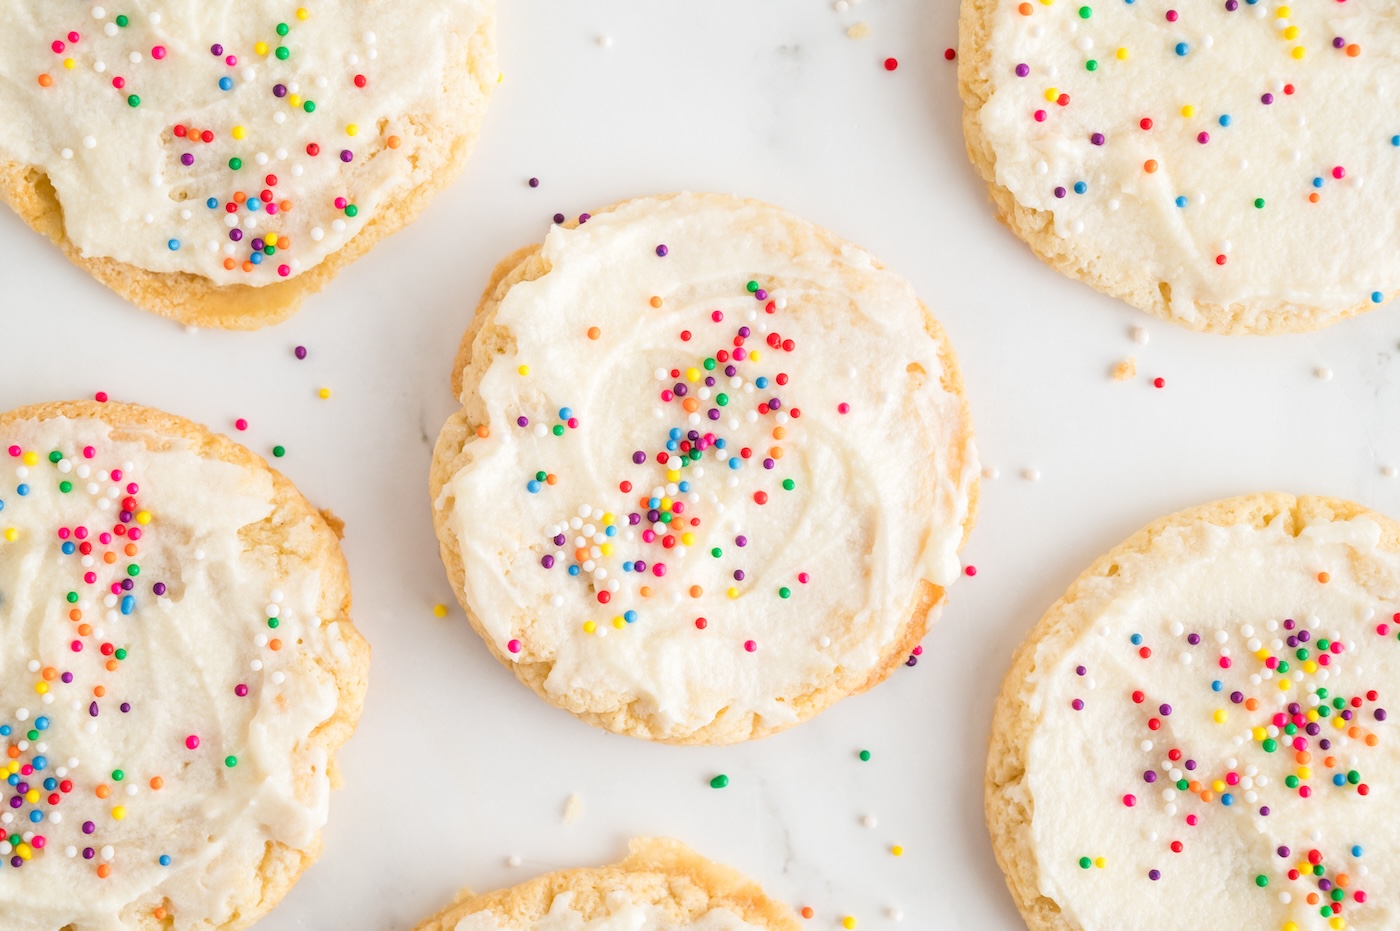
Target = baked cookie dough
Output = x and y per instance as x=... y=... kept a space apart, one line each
x=661 y=886
x=177 y=667
x=217 y=165
x=711 y=472
x=1197 y=734
x=1230 y=166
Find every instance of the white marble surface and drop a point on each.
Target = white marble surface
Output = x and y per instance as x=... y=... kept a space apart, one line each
x=456 y=766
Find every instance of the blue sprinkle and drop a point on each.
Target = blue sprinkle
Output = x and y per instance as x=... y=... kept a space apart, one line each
x=676 y=433
x=1317 y=182
x=50 y=784
x=683 y=487
x=41 y=724
x=164 y=859
x=1217 y=685
x=256 y=258
x=573 y=570
x=1339 y=780
x=1225 y=119
x=627 y=566
x=1395 y=140
x=1227 y=800
x=611 y=531
x=4 y=730
x=672 y=446
x=253 y=204
x=174 y=245
x=2 y=505
x=36 y=816
x=39 y=762
x=720 y=444
x=629 y=616
x=1136 y=639
x=13 y=779
x=225 y=84
x=1356 y=851
x=1377 y=297
x=1182 y=48
x=734 y=463
x=1182 y=201
x=128 y=604
x=22 y=490
x=211 y=203
x=653 y=502
x=761 y=381
x=1080 y=187
x=69 y=549
x=532 y=486
x=565 y=413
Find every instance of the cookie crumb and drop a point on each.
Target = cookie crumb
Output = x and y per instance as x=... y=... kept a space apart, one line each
x=991 y=472
x=859 y=30
x=1125 y=370
x=573 y=808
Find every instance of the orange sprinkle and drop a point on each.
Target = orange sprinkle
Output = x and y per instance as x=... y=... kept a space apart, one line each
x=696 y=591
x=99 y=690
x=284 y=205
x=230 y=264
x=1303 y=757
x=1193 y=787
x=13 y=751
x=581 y=554
x=104 y=871
x=130 y=549
x=551 y=478
x=1372 y=740
x=779 y=433
x=160 y=913
x=776 y=452
x=655 y=301
x=103 y=791
x=239 y=197
x=1314 y=197
x=45 y=81
x=247 y=266
x=1353 y=732
x=1343 y=880
x=275 y=645
x=1324 y=578
x=394 y=142
x=84 y=630
x=594 y=332
x=111 y=665
x=1150 y=166
x=1312 y=898
x=157 y=783
x=1026 y=10
x=50 y=673
x=1207 y=796
x=646 y=591
x=1251 y=704
x=1329 y=761
x=109 y=557
x=75 y=615
x=807 y=909
x=1353 y=50
x=483 y=431
x=691 y=405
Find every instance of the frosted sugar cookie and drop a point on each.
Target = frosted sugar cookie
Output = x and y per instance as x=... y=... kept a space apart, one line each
x=661 y=886
x=176 y=669
x=711 y=472
x=1226 y=165
x=1197 y=734
x=217 y=165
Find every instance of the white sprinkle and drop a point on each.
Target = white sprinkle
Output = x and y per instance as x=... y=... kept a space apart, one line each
x=513 y=860
x=869 y=821
x=1390 y=471
x=248 y=74
x=990 y=472
x=155 y=18
x=1140 y=335
x=317 y=233
x=89 y=142
x=98 y=12
x=110 y=29
x=135 y=58
x=99 y=66
x=1323 y=373
x=1030 y=475
x=66 y=153
x=605 y=41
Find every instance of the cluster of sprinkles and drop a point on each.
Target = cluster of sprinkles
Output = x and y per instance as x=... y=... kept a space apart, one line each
x=244 y=196
x=61 y=807
x=626 y=553
x=1297 y=739
x=1202 y=124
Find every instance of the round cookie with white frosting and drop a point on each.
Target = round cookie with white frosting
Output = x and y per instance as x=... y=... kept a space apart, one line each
x=1222 y=165
x=218 y=166
x=1200 y=728
x=711 y=472
x=661 y=886
x=177 y=668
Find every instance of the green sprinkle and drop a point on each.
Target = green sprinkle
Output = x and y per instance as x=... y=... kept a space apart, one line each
x=1261 y=881
x=1302 y=654
x=719 y=782
x=282 y=53
x=283 y=29
x=541 y=475
x=1259 y=202
x=133 y=570
x=789 y=484
x=1085 y=12
x=1270 y=745
x=235 y=163
x=1182 y=785
x=133 y=101
x=72 y=598
x=710 y=364
x=309 y=106
x=120 y=654
x=279 y=451
x=864 y=756
x=558 y=431
x=1091 y=65
x=1282 y=666
x=1085 y=863
x=118 y=775
x=55 y=456
x=1291 y=782
x=230 y=761
x=1353 y=777
x=717 y=552
x=784 y=592
x=273 y=623
x=269 y=250
x=65 y=487
x=752 y=286
x=122 y=20
x=33 y=735
x=351 y=210
x=1337 y=895
x=693 y=454
x=722 y=399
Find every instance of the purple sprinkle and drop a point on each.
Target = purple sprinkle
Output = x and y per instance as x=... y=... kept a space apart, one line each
x=279 y=90
x=1077 y=704
x=585 y=217
x=760 y=295
x=216 y=49
x=912 y=661
x=522 y=421
x=346 y=155
x=738 y=575
x=1325 y=744
x=1324 y=885
x=1232 y=5
x=1193 y=639
x=1149 y=776
x=67 y=678
x=1339 y=42
x=88 y=854
x=774 y=404
x=768 y=463
x=560 y=539
x=258 y=244
x=547 y=562
x=1165 y=710
x=17 y=801
x=714 y=413
x=558 y=218
x=534 y=182
x=187 y=159
x=1304 y=636
x=92 y=709
x=640 y=565
x=1154 y=875
x=89 y=827
x=1060 y=192
x=730 y=370
x=1264 y=811
x=1284 y=852
x=300 y=352
x=1288 y=624
x=1267 y=99
x=236 y=235
x=1380 y=714
x=639 y=457
x=1022 y=70
x=158 y=588
x=126 y=707
x=709 y=381
x=680 y=389
x=1097 y=139
x=744 y=332
x=1080 y=670
x=1313 y=729
x=662 y=250
x=1191 y=764
x=741 y=540
x=634 y=518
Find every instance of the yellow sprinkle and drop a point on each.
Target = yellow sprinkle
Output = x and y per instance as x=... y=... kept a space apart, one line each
x=754 y=354
x=1052 y=94
x=1122 y=54
x=897 y=850
x=1300 y=52
x=666 y=504
x=1218 y=785
x=589 y=627
x=25 y=851
x=11 y=534
x=69 y=63
x=619 y=623
x=673 y=476
x=688 y=539
x=1262 y=654
x=14 y=766
x=1338 y=723
x=1100 y=862
x=439 y=610
x=143 y=517
x=1284 y=12
x=849 y=922
x=1304 y=772
x=1291 y=32
x=294 y=100
x=692 y=374
x=606 y=549
x=1312 y=715
x=1285 y=684
x=1219 y=716
x=302 y=13
x=352 y=129
x=43 y=689
x=1188 y=111
x=31 y=458
x=500 y=77
x=1259 y=733
x=1290 y=925
x=270 y=239
x=119 y=812
x=524 y=370
x=1309 y=667
x=324 y=393
x=239 y=132
x=733 y=593
x=260 y=48
x=1337 y=921
x=31 y=796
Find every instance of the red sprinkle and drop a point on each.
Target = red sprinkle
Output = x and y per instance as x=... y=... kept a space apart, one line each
x=891 y=64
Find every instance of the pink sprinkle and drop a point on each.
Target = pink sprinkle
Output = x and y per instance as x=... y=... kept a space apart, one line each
x=971 y=570
x=1382 y=629
x=1172 y=16
x=1339 y=172
x=158 y=52
x=100 y=397
x=1130 y=800
x=658 y=569
x=192 y=742
x=1040 y=116
x=1191 y=820
x=240 y=690
x=340 y=203
x=803 y=577
x=89 y=452
x=240 y=424
x=716 y=316
x=77 y=646
x=513 y=646
x=231 y=60
x=750 y=645
x=284 y=270
x=843 y=408
x=918 y=650
x=15 y=451
x=73 y=37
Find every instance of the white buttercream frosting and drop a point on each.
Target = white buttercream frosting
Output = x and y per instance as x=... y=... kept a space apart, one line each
x=1262 y=178
x=127 y=739
x=834 y=389
x=623 y=914
x=1191 y=782
x=365 y=79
